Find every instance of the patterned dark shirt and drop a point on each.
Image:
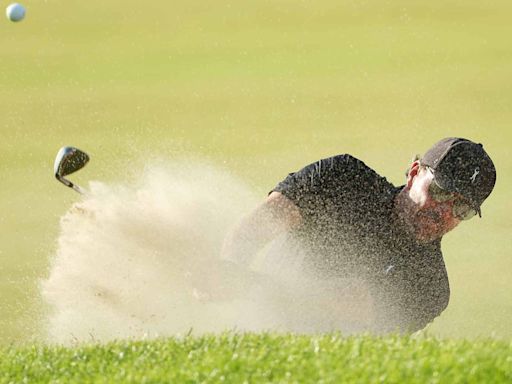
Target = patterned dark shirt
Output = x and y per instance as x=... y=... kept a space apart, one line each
x=351 y=230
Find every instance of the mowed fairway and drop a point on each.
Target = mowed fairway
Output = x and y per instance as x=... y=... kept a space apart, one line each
x=261 y=89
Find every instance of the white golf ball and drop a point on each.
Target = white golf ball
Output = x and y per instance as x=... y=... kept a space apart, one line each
x=15 y=12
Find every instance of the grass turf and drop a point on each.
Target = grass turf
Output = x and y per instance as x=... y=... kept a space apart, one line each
x=261 y=358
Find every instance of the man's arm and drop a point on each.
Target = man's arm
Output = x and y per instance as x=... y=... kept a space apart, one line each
x=294 y=198
x=274 y=216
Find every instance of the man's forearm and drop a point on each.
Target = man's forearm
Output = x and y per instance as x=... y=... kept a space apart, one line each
x=244 y=242
x=276 y=215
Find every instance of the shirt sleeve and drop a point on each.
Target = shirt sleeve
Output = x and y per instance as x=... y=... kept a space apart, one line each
x=311 y=185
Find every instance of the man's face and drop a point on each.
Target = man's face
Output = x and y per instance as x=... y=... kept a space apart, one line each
x=430 y=219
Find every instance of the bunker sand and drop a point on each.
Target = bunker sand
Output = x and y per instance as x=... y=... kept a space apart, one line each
x=143 y=260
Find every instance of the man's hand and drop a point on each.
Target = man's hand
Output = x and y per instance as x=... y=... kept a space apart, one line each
x=226 y=280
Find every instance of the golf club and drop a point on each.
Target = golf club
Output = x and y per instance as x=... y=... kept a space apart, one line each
x=69 y=160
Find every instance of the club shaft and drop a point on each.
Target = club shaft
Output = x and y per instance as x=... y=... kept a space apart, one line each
x=71 y=185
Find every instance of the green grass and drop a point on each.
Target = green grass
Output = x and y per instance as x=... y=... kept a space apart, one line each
x=263 y=358
x=261 y=88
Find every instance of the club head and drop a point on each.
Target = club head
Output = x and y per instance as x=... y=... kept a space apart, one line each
x=69 y=160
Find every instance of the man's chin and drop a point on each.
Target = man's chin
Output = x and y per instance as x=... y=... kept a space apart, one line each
x=428 y=230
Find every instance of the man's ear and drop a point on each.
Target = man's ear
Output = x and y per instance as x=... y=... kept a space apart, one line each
x=412 y=173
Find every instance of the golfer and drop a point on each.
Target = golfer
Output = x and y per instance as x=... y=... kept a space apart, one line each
x=348 y=222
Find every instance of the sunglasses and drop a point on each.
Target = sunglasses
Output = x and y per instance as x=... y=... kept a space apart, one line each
x=461 y=209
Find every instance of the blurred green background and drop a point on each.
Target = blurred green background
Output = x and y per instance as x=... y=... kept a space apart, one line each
x=261 y=88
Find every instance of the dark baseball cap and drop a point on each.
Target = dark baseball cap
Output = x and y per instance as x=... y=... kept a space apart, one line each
x=462 y=166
